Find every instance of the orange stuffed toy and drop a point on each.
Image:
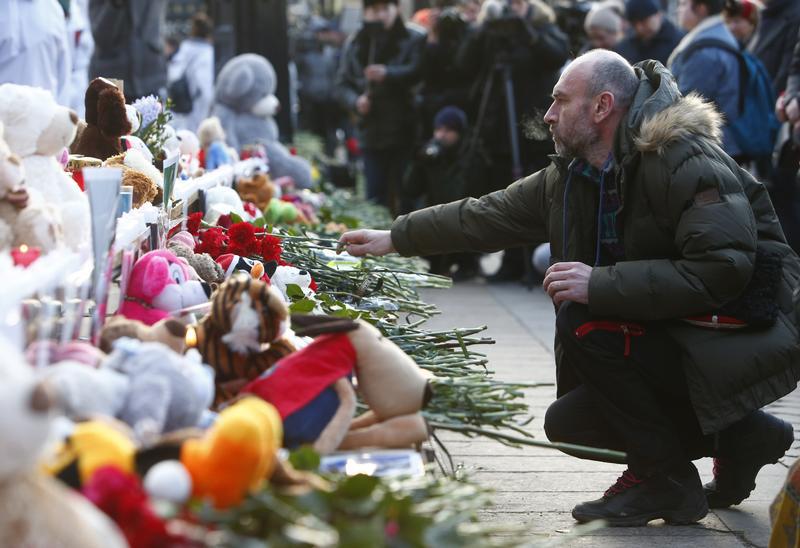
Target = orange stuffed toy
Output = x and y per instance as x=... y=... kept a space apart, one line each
x=236 y=455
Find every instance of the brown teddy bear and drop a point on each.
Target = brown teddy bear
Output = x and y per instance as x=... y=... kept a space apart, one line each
x=258 y=189
x=106 y=121
x=138 y=174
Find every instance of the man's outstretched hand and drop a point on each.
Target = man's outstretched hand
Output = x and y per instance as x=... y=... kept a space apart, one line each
x=367 y=242
x=568 y=282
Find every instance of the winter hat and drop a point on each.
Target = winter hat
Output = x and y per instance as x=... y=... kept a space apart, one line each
x=637 y=10
x=746 y=9
x=370 y=3
x=452 y=118
x=605 y=16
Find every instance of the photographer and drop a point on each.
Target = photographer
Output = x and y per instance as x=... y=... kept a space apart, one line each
x=379 y=66
x=448 y=168
x=442 y=82
x=517 y=41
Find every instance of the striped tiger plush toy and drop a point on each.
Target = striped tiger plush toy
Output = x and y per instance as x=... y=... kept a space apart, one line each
x=242 y=336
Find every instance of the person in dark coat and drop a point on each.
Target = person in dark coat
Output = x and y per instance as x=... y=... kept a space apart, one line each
x=448 y=167
x=520 y=38
x=443 y=82
x=775 y=38
x=128 y=44
x=380 y=65
x=674 y=288
x=652 y=35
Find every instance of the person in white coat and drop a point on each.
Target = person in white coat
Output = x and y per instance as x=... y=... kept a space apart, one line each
x=34 y=49
x=195 y=60
x=81 y=44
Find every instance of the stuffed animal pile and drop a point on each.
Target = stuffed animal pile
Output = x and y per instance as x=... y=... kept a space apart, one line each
x=200 y=376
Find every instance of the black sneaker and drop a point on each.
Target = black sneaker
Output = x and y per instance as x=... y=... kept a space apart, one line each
x=676 y=497
x=763 y=441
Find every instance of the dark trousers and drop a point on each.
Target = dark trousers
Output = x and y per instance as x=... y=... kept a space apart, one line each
x=630 y=392
x=384 y=170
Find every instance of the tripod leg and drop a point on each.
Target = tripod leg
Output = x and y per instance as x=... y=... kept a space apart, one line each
x=516 y=166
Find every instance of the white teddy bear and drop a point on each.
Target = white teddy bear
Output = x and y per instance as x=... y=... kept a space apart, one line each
x=290 y=275
x=37 y=129
x=35 y=509
x=23 y=221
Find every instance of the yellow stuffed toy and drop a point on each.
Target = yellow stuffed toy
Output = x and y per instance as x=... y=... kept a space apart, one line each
x=92 y=445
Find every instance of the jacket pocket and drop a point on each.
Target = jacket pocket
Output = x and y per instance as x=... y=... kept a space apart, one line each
x=628 y=329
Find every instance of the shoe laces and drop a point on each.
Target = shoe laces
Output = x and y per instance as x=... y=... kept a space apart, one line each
x=627 y=480
x=717 y=470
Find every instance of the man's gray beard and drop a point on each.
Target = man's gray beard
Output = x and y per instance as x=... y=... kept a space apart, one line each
x=582 y=149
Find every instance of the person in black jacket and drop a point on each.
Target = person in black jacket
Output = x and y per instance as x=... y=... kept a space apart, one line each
x=128 y=44
x=379 y=67
x=522 y=37
x=448 y=167
x=652 y=35
x=443 y=83
x=776 y=37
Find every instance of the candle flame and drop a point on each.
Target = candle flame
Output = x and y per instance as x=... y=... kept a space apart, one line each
x=191 y=337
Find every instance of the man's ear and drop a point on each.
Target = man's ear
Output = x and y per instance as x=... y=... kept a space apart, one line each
x=603 y=106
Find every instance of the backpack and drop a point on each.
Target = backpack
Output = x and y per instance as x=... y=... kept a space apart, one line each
x=756 y=127
x=180 y=95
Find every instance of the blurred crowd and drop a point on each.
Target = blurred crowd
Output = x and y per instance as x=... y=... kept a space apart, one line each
x=447 y=102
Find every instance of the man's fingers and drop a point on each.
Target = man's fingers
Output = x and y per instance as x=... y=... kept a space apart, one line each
x=560 y=267
x=557 y=286
x=358 y=250
x=563 y=296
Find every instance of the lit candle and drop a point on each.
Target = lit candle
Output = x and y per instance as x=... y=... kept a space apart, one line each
x=24 y=255
x=191 y=337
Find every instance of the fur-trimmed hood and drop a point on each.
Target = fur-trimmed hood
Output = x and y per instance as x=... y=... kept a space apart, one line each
x=690 y=115
x=660 y=115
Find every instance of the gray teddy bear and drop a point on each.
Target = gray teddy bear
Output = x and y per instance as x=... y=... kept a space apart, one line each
x=145 y=384
x=245 y=103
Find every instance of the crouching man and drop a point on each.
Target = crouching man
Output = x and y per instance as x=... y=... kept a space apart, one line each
x=673 y=284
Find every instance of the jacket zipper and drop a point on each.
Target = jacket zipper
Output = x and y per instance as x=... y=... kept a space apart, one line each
x=627 y=329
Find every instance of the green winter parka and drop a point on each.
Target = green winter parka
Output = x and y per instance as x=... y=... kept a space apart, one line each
x=692 y=220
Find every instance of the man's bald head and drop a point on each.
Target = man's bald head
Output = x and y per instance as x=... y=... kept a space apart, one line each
x=602 y=70
x=589 y=101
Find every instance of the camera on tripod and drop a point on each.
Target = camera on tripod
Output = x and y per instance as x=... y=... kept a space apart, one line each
x=502 y=24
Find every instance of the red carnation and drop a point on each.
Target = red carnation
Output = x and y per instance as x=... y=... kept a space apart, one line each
x=271 y=248
x=224 y=221
x=243 y=240
x=193 y=223
x=212 y=241
x=122 y=498
x=313 y=285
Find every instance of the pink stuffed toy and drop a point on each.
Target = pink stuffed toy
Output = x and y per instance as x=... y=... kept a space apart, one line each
x=160 y=283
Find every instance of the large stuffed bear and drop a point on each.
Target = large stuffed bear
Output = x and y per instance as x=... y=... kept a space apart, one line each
x=245 y=104
x=37 y=129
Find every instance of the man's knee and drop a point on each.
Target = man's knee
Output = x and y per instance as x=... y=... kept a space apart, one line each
x=555 y=423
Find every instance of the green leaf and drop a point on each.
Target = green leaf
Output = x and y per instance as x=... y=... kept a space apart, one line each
x=235 y=218
x=302 y=306
x=261 y=222
x=358 y=486
x=294 y=290
x=305 y=458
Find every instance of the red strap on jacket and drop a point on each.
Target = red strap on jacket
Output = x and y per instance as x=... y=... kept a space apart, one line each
x=628 y=329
